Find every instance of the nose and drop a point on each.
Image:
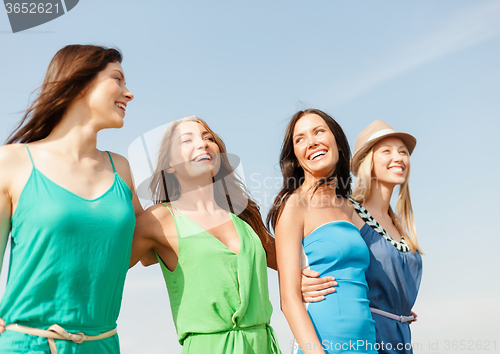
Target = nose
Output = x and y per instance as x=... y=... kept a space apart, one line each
x=202 y=144
x=312 y=142
x=128 y=95
x=396 y=156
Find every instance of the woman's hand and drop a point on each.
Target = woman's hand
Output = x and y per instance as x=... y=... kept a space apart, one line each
x=415 y=317
x=2 y=326
x=313 y=288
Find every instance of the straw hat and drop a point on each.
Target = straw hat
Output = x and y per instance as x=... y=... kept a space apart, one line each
x=371 y=135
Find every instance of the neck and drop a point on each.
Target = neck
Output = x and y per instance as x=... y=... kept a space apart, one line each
x=74 y=135
x=198 y=196
x=311 y=181
x=380 y=197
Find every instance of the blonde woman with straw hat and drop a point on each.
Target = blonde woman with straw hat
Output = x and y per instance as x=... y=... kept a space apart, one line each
x=381 y=161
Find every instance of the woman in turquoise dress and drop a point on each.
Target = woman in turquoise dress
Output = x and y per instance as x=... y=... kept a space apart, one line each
x=70 y=209
x=311 y=217
x=381 y=161
x=211 y=243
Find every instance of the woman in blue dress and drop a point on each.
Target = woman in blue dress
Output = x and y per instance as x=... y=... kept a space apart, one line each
x=311 y=217
x=381 y=162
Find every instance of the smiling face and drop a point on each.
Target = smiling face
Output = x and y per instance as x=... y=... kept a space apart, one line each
x=107 y=97
x=194 y=153
x=391 y=161
x=314 y=146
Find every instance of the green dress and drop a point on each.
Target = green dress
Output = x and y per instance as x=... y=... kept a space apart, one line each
x=68 y=262
x=220 y=300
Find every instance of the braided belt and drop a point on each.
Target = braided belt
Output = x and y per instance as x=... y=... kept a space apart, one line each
x=57 y=332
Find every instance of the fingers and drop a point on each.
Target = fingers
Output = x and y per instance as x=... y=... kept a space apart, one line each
x=315 y=284
x=313 y=298
x=414 y=317
x=2 y=326
x=309 y=273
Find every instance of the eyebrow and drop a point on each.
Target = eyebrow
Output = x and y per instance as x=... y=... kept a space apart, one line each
x=188 y=133
x=121 y=74
x=316 y=127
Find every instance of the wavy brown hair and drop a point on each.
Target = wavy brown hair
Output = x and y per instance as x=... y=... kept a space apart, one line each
x=293 y=174
x=70 y=72
x=229 y=192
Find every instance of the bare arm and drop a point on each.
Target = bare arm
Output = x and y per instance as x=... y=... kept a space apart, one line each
x=144 y=241
x=141 y=245
x=5 y=205
x=289 y=231
x=5 y=211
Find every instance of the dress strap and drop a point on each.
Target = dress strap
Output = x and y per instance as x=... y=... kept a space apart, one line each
x=168 y=205
x=29 y=153
x=111 y=159
x=368 y=219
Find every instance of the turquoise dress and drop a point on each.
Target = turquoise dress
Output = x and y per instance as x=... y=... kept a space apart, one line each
x=342 y=321
x=68 y=262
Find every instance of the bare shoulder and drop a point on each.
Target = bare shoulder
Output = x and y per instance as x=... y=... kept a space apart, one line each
x=293 y=212
x=14 y=161
x=356 y=220
x=13 y=154
x=156 y=218
x=120 y=162
x=123 y=168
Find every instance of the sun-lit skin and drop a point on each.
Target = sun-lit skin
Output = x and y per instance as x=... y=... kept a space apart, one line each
x=315 y=147
x=107 y=97
x=391 y=161
x=194 y=156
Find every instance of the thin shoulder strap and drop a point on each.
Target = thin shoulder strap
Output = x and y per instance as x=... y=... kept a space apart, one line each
x=111 y=159
x=167 y=205
x=29 y=153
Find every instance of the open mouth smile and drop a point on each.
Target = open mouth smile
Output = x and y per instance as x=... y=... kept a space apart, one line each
x=122 y=106
x=203 y=157
x=317 y=155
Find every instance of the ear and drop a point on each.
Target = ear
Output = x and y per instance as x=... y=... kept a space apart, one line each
x=170 y=169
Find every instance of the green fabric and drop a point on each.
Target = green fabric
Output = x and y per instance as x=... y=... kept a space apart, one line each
x=68 y=263
x=220 y=300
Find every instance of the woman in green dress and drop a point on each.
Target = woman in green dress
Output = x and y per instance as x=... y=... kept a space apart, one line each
x=213 y=261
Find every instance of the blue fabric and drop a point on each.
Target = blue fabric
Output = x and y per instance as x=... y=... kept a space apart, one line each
x=343 y=320
x=393 y=279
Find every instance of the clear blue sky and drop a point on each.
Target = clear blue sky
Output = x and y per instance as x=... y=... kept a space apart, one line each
x=430 y=68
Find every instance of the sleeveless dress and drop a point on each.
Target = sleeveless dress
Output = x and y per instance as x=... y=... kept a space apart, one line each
x=68 y=262
x=220 y=300
x=393 y=279
x=342 y=321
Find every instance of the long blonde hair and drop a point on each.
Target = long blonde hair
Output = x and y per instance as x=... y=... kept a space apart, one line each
x=231 y=194
x=403 y=219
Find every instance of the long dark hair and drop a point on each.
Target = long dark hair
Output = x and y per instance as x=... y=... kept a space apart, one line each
x=293 y=174
x=231 y=194
x=69 y=73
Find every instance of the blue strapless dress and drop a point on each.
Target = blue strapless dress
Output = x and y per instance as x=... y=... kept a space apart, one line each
x=343 y=320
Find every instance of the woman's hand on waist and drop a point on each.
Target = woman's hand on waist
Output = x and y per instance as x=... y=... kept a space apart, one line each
x=313 y=288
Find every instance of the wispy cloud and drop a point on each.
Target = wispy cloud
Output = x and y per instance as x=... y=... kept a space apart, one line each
x=462 y=30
